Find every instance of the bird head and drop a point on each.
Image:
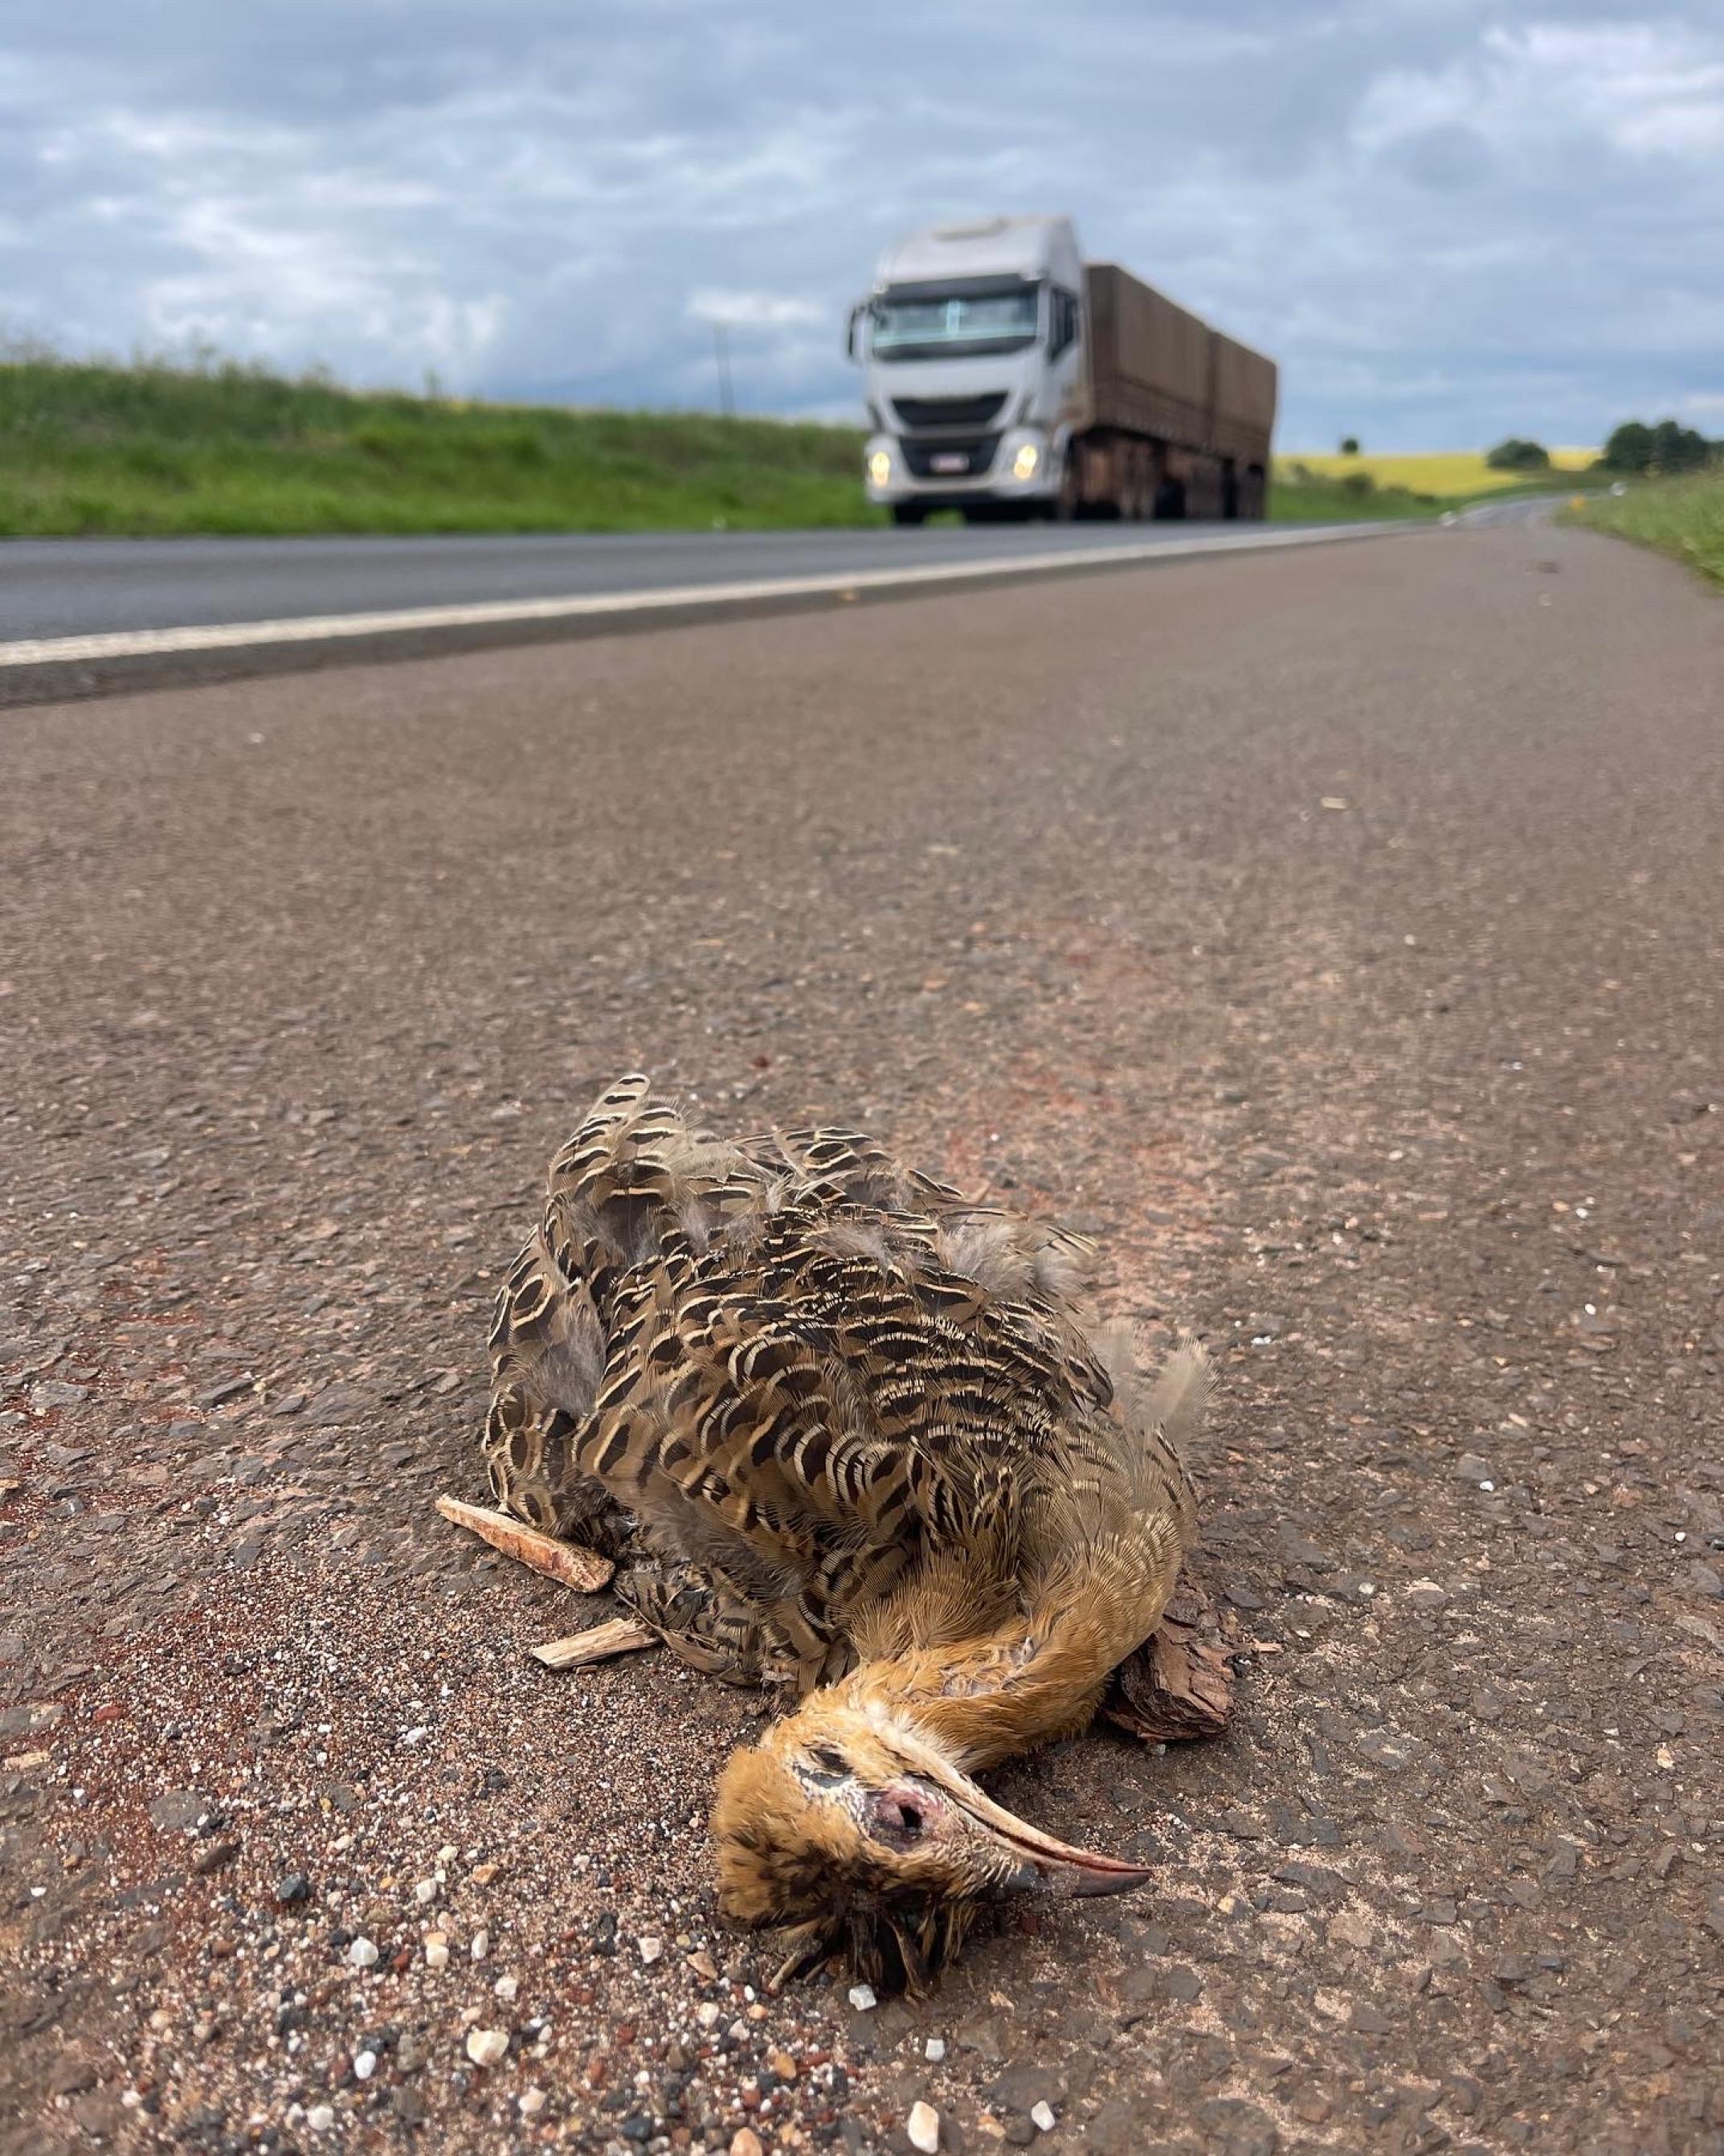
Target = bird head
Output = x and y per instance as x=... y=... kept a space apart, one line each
x=861 y=1836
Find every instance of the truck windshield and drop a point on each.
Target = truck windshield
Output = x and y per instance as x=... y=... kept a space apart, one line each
x=953 y=323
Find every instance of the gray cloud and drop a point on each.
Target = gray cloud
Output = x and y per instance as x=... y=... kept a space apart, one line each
x=1449 y=222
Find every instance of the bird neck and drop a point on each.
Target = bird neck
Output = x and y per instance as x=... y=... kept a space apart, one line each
x=957 y=1654
x=1019 y=1684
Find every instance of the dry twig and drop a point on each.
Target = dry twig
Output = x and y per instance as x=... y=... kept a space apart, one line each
x=599 y=1643
x=583 y=1569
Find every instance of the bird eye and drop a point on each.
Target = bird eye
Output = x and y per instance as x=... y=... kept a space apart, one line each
x=828 y=1761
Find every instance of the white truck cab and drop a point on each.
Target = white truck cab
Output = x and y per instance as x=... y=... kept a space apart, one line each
x=972 y=341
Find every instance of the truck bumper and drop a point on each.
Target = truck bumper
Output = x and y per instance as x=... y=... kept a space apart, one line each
x=1024 y=468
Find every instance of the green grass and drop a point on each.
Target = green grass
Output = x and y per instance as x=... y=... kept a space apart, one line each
x=154 y=448
x=1300 y=494
x=1680 y=516
x=211 y=446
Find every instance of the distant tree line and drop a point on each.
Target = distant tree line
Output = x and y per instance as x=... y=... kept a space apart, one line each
x=1635 y=447
x=1632 y=447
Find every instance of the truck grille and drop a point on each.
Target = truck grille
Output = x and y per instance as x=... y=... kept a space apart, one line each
x=950 y=458
x=948 y=411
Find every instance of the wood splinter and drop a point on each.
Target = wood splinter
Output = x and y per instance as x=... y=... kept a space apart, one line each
x=599 y=1643
x=583 y=1569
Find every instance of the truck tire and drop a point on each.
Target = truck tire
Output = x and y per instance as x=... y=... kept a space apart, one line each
x=1065 y=504
x=908 y=512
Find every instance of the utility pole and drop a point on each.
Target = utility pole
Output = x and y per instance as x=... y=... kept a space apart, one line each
x=720 y=340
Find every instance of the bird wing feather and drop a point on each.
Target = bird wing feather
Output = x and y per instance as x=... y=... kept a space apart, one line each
x=801 y=1365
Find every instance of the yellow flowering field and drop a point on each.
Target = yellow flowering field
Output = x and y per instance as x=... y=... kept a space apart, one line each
x=1441 y=472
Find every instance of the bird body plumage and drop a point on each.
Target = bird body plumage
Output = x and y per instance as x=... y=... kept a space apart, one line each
x=848 y=1433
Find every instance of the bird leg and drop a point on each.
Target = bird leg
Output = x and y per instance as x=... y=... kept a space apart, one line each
x=1177 y=1686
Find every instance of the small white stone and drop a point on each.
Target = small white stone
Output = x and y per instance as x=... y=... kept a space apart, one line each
x=425 y=1892
x=531 y=2102
x=437 y=1954
x=321 y=2117
x=362 y=1953
x=707 y=2014
x=934 y=2049
x=481 y=1945
x=651 y=1950
x=1043 y=2114
x=485 y=2047
x=923 y=2128
x=863 y=1998
x=506 y=1987
x=447 y=1854
x=365 y=2065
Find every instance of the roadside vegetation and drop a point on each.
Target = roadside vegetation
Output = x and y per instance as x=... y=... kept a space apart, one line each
x=1304 y=493
x=1683 y=516
x=210 y=445
x=1667 y=492
x=153 y=447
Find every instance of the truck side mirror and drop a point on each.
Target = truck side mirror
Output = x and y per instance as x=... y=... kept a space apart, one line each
x=856 y=315
x=1063 y=321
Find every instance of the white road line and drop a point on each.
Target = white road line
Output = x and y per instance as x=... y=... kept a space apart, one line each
x=312 y=628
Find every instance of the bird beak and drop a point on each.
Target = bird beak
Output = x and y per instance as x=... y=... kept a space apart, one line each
x=1045 y=1863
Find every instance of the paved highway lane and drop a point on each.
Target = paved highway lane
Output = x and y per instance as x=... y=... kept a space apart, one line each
x=1332 y=934
x=60 y=587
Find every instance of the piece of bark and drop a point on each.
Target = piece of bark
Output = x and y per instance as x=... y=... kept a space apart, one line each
x=599 y=1643
x=583 y=1569
x=1178 y=1684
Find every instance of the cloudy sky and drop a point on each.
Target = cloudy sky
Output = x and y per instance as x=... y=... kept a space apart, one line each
x=1450 y=220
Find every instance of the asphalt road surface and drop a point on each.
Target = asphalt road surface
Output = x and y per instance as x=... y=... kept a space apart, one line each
x=55 y=588
x=1335 y=935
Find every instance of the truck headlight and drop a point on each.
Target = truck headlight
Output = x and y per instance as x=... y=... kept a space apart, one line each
x=880 y=467
x=1025 y=463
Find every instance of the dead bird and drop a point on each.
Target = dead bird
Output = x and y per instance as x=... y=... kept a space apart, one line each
x=846 y=1433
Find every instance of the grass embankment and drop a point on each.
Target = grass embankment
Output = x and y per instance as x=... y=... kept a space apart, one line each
x=156 y=448
x=1680 y=516
x=153 y=449
x=1301 y=495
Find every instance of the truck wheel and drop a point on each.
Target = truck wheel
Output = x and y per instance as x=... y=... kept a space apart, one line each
x=908 y=512
x=1064 y=506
